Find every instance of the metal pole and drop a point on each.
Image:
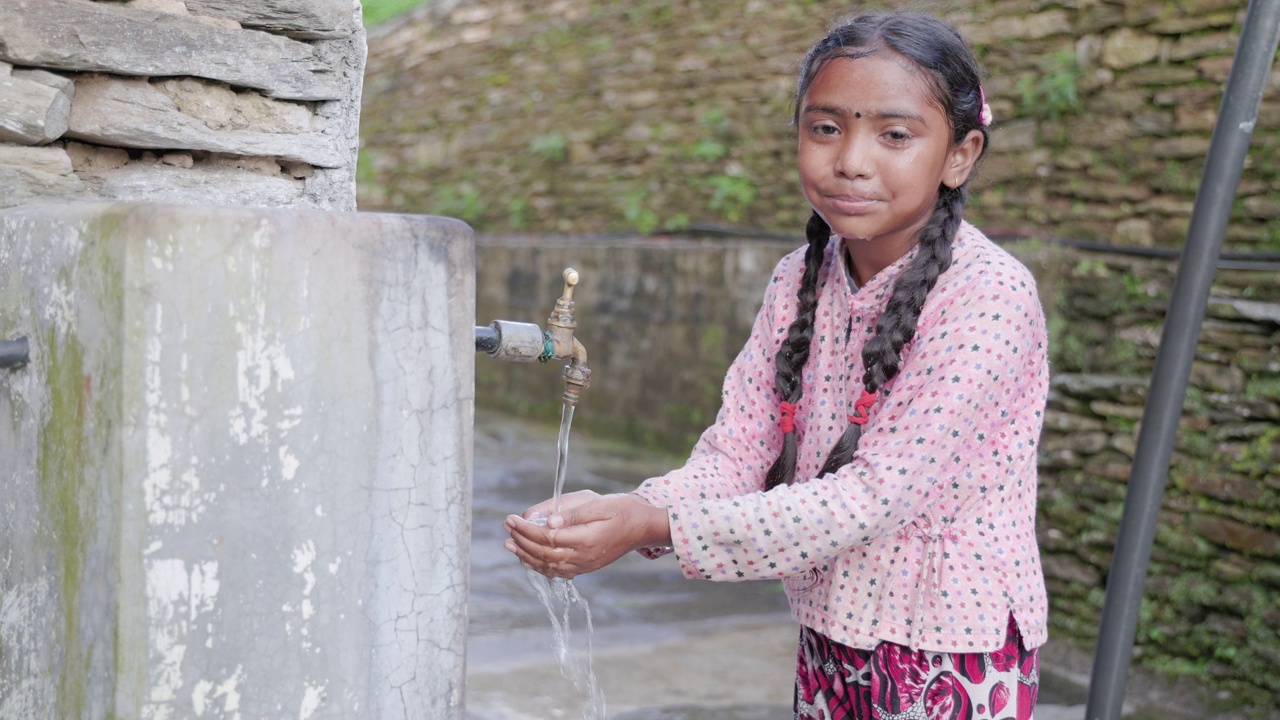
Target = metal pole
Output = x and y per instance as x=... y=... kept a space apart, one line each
x=1223 y=167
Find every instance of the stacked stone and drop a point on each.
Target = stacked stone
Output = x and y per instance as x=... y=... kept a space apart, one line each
x=583 y=116
x=219 y=102
x=1212 y=605
x=1105 y=112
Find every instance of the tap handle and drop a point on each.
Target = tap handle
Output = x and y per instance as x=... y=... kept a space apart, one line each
x=570 y=280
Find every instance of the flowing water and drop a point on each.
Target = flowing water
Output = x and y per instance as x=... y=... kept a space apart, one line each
x=561 y=599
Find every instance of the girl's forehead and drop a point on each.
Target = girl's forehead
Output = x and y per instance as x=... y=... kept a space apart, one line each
x=879 y=77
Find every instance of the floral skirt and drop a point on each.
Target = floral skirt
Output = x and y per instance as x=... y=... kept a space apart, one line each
x=892 y=682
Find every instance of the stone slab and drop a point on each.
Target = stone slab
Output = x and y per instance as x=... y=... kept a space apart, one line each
x=34 y=105
x=301 y=19
x=85 y=36
x=237 y=468
x=130 y=112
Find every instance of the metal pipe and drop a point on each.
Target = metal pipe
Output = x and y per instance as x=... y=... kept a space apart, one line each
x=1223 y=167
x=487 y=340
x=14 y=353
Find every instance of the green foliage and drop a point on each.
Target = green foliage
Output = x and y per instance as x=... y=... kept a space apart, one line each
x=708 y=150
x=715 y=119
x=731 y=195
x=376 y=11
x=1262 y=387
x=516 y=209
x=1052 y=93
x=460 y=201
x=551 y=146
x=635 y=208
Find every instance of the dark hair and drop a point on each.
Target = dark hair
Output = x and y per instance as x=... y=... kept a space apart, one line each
x=953 y=76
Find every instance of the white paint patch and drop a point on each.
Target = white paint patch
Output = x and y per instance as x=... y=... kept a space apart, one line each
x=176 y=600
x=167 y=592
x=303 y=556
x=167 y=502
x=288 y=463
x=200 y=697
x=312 y=698
x=261 y=362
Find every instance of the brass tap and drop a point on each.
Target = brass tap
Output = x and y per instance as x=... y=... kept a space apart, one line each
x=526 y=342
x=561 y=324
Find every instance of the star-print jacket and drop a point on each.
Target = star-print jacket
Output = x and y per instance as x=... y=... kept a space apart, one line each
x=927 y=537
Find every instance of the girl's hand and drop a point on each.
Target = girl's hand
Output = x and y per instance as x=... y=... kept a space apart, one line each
x=588 y=535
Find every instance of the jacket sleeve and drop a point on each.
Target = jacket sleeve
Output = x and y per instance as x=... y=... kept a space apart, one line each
x=734 y=454
x=968 y=398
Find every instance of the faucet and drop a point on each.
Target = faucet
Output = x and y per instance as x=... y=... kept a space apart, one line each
x=526 y=342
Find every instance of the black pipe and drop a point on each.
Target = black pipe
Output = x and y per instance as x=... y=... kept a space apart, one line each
x=487 y=339
x=1223 y=167
x=14 y=353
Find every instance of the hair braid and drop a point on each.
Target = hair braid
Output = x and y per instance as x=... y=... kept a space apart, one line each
x=882 y=355
x=794 y=352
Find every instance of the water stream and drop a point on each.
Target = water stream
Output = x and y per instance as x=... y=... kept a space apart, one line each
x=560 y=597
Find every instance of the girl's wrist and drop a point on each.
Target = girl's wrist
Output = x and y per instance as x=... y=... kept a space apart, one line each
x=655 y=527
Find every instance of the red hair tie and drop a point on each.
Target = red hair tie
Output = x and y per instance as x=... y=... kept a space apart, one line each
x=860 y=408
x=788 y=421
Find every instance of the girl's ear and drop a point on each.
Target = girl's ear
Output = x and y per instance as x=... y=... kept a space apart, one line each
x=961 y=158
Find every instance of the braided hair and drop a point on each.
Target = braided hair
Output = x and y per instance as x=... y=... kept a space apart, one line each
x=953 y=76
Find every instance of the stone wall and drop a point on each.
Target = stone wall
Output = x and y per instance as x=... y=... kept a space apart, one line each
x=587 y=115
x=213 y=102
x=663 y=318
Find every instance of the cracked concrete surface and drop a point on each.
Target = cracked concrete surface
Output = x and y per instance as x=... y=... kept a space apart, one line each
x=283 y=404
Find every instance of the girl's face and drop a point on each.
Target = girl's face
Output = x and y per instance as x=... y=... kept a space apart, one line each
x=874 y=149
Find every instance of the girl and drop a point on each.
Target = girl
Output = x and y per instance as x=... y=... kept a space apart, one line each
x=876 y=446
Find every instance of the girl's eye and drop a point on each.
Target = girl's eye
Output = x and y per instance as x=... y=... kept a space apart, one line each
x=897 y=136
x=824 y=129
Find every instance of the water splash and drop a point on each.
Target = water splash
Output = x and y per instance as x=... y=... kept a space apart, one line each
x=561 y=597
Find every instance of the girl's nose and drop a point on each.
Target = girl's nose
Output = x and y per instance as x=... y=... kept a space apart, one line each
x=854 y=160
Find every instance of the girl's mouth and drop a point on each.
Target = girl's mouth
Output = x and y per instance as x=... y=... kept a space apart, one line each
x=851 y=204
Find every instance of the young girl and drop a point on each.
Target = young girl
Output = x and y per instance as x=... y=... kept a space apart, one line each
x=876 y=447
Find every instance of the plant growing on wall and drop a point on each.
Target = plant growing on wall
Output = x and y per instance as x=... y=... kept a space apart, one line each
x=635 y=208
x=731 y=195
x=461 y=201
x=551 y=146
x=1052 y=93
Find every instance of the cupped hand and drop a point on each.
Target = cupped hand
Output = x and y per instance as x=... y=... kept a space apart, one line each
x=586 y=536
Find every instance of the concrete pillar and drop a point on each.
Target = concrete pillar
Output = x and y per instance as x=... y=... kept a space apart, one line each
x=237 y=469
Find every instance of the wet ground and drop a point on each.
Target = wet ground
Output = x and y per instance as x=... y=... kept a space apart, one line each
x=663 y=648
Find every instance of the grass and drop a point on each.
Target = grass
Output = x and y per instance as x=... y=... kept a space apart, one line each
x=376 y=11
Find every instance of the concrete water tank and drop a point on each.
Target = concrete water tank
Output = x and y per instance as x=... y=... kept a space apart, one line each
x=236 y=468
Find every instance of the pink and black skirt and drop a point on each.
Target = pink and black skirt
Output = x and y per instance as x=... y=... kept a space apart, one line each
x=892 y=682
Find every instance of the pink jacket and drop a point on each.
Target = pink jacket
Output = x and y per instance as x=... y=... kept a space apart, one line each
x=927 y=538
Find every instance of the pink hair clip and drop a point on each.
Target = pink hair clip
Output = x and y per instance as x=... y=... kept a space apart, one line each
x=984 y=116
